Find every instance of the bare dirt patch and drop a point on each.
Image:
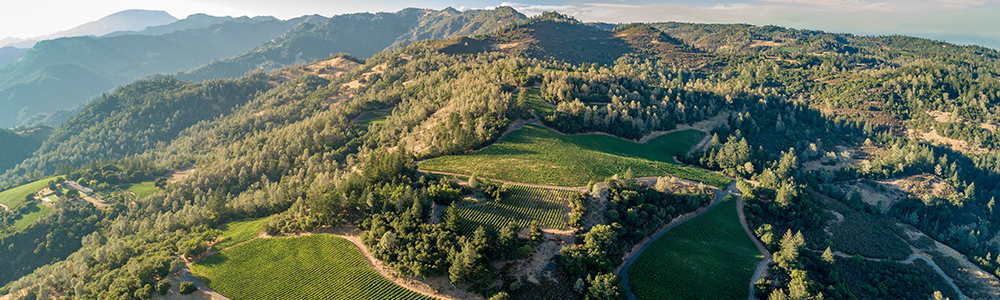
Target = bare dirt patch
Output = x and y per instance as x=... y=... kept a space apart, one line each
x=179 y=175
x=379 y=69
x=506 y=46
x=326 y=69
x=100 y=204
x=541 y=264
x=841 y=160
x=763 y=43
x=882 y=200
x=919 y=185
x=957 y=145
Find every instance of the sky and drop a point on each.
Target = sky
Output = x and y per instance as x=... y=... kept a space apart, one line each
x=956 y=21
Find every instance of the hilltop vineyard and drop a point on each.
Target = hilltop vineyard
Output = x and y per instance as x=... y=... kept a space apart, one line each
x=521 y=204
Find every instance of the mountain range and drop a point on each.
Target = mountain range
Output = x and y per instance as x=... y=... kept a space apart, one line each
x=126 y=20
x=59 y=74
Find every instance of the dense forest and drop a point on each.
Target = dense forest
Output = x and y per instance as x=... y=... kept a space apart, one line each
x=289 y=147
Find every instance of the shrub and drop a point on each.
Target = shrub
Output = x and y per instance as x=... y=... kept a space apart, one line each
x=187 y=287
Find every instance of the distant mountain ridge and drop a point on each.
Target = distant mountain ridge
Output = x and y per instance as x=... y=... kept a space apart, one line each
x=126 y=20
x=90 y=65
x=361 y=35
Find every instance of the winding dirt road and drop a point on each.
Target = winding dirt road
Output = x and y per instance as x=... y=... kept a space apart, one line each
x=908 y=260
x=762 y=266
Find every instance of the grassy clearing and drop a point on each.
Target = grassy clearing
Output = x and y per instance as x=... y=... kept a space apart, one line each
x=377 y=116
x=708 y=255
x=536 y=103
x=534 y=154
x=142 y=189
x=14 y=196
x=521 y=205
x=309 y=267
x=239 y=231
x=32 y=216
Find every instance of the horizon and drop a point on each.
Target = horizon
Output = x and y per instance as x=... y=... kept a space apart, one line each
x=961 y=22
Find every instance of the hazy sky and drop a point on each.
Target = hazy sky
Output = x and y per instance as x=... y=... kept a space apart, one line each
x=958 y=21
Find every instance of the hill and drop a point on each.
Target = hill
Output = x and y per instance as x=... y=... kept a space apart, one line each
x=793 y=125
x=555 y=36
x=20 y=145
x=361 y=35
x=10 y=54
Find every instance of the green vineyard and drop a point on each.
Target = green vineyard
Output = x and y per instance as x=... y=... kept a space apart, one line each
x=309 y=267
x=520 y=204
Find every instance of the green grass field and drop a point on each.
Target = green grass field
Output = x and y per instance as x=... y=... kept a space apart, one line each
x=239 y=231
x=536 y=103
x=377 y=116
x=522 y=205
x=534 y=154
x=142 y=189
x=32 y=216
x=14 y=196
x=309 y=267
x=707 y=255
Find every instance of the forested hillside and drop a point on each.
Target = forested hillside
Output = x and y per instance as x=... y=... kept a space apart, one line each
x=58 y=74
x=814 y=127
x=361 y=35
x=19 y=145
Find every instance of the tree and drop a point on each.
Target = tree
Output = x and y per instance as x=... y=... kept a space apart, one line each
x=827 y=256
x=187 y=287
x=604 y=287
x=535 y=232
x=579 y=286
x=778 y=294
x=466 y=267
x=388 y=241
x=160 y=183
x=163 y=286
x=787 y=165
x=72 y=193
x=473 y=182
x=451 y=219
x=787 y=257
x=144 y=293
x=662 y=185
x=500 y=296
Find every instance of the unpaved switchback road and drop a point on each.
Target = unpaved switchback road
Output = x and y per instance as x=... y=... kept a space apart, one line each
x=762 y=266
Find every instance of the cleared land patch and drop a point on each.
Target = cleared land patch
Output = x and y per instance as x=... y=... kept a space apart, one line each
x=377 y=116
x=32 y=216
x=707 y=255
x=308 y=267
x=142 y=189
x=521 y=205
x=537 y=155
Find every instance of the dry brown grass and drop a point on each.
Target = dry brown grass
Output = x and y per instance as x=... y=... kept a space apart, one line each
x=919 y=185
